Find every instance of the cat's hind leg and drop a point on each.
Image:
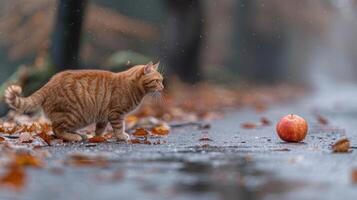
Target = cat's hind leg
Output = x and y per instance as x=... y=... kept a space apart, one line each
x=69 y=136
x=65 y=129
x=100 y=128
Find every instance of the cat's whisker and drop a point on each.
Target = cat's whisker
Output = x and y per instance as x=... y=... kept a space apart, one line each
x=164 y=100
x=156 y=96
x=163 y=97
x=158 y=99
x=162 y=70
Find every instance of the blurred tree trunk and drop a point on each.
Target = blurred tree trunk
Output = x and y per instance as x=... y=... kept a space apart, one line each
x=66 y=36
x=182 y=38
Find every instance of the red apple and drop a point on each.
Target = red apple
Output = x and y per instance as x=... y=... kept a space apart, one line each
x=292 y=128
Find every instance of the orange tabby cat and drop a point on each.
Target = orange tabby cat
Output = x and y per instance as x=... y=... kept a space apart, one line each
x=74 y=99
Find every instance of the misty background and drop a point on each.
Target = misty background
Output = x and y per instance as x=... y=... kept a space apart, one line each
x=246 y=41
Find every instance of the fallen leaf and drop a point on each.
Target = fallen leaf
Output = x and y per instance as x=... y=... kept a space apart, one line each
x=2 y=129
x=341 y=146
x=141 y=132
x=265 y=121
x=78 y=159
x=322 y=120
x=161 y=130
x=31 y=128
x=205 y=139
x=114 y=177
x=157 y=142
x=26 y=159
x=2 y=139
x=249 y=125
x=248 y=158
x=134 y=141
x=12 y=130
x=147 y=142
x=46 y=127
x=354 y=176
x=15 y=177
x=45 y=137
x=97 y=139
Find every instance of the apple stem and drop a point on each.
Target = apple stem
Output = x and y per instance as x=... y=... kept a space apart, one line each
x=291 y=115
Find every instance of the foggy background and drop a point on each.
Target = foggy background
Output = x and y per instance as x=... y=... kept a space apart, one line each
x=255 y=41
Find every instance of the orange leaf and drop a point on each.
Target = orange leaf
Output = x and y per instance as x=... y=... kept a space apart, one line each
x=249 y=125
x=157 y=142
x=141 y=132
x=265 y=121
x=322 y=120
x=354 y=176
x=341 y=146
x=2 y=139
x=161 y=130
x=12 y=130
x=31 y=128
x=97 y=139
x=147 y=142
x=26 y=159
x=14 y=177
x=47 y=138
x=2 y=129
x=46 y=127
x=134 y=141
x=78 y=159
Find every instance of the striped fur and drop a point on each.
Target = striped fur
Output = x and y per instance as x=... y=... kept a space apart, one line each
x=77 y=98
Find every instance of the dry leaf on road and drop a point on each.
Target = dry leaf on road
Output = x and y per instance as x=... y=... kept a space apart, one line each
x=248 y=125
x=141 y=132
x=341 y=146
x=354 y=176
x=161 y=130
x=322 y=120
x=97 y=139
x=15 y=177
x=265 y=121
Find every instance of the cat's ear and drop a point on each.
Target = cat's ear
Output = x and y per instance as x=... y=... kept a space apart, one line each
x=156 y=66
x=148 y=68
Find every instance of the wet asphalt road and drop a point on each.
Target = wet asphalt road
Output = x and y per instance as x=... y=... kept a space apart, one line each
x=237 y=164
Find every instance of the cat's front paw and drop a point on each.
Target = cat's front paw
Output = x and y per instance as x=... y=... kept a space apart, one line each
x=122 y=137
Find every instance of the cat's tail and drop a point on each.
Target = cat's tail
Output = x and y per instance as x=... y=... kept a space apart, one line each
x=23 y=104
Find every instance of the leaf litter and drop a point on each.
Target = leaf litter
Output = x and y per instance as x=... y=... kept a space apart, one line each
x=341 y=146
x=149 y=125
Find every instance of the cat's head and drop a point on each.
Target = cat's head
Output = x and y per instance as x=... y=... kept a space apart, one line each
x=149 y=78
